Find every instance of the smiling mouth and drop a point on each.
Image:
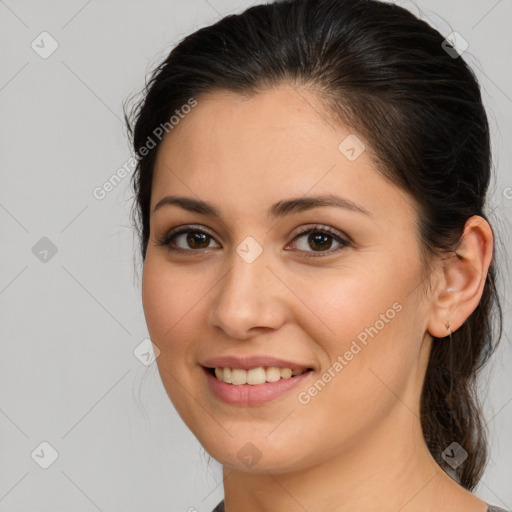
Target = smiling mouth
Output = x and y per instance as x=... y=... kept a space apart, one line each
x=255 y=376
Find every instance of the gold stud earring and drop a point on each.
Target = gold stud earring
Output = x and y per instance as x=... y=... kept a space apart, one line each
x=447 y=325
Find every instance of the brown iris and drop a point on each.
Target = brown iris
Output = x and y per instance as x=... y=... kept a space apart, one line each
x=202 y=238
x=320 y=241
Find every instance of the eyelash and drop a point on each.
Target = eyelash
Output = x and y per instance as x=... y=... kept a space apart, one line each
x=168 y=237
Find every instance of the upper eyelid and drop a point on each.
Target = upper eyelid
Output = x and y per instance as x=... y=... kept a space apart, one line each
x=301 y=229
x=186 y=228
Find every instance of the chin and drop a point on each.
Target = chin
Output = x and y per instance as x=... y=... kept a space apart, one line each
x=258 y=456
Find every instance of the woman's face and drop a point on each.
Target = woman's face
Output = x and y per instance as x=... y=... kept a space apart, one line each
x=245 y=289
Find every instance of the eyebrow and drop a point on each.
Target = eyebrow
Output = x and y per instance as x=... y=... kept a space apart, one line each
x=277 y=210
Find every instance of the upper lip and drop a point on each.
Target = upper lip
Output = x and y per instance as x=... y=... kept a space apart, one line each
x=248 y=362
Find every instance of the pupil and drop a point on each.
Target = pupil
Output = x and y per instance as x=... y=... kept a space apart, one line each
x=319 y=239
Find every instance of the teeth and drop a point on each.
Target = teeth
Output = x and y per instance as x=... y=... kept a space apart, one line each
x=273 y=374
x=255 y=376
x=238 y=377
x=286 y=373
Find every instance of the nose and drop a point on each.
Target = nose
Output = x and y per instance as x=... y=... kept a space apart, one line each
x=249 y=299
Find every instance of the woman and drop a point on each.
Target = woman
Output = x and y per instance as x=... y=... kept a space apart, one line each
x=319 y=273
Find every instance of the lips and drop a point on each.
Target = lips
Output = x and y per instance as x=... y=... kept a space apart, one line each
x=242 y=382
x=244 y=395
x=254 y=376
x=250 y=362
x=253 y=370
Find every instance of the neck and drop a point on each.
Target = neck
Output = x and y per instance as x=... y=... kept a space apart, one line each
x=390 y=471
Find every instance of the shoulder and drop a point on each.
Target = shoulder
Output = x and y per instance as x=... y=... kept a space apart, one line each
x=220 y=508
x=492 y=508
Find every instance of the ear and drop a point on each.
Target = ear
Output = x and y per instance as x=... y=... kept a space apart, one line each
x=462 y=279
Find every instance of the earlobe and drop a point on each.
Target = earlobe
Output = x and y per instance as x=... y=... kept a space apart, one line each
x=463 y=279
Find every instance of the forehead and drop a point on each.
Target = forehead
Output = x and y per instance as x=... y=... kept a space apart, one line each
x=267 y=124
x=259 y=149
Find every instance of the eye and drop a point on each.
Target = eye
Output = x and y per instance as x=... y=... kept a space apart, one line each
x=186 y=239
x=320 y=239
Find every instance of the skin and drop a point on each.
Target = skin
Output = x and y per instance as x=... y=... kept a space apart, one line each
x=357 y=445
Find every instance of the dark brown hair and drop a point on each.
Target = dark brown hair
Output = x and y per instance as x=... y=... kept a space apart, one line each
x=386 y=74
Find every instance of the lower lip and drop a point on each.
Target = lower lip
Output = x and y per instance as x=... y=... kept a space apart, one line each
x=248 y=394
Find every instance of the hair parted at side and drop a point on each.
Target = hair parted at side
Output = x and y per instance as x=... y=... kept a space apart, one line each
x=384 y=73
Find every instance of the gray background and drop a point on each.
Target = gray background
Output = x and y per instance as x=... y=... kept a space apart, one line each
x=70 y=321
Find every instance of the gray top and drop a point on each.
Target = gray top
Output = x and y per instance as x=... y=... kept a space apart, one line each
x=490 y=508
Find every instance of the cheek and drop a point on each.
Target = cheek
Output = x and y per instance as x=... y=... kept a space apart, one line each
x=366 y=334
x=168 y=297
x=170 y=302
x=352 y=303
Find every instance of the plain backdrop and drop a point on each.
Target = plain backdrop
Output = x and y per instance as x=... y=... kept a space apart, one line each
x=71 y=319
